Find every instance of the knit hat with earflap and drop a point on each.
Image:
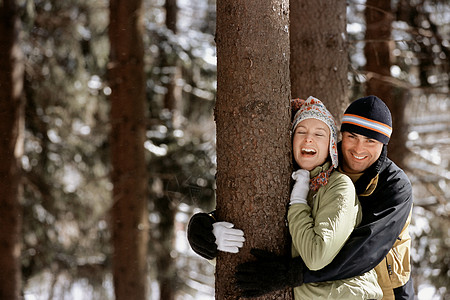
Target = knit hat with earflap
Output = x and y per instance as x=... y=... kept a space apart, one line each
x=313 y=108
x=368 y=116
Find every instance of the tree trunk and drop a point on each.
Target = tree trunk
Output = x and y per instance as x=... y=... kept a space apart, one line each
x=11 y=150
x=172 y=98
x=253 y=119
x=129 y=176
x=165 y=263
x=378 y=52
x=319 y=62
x=171 y=15
x=167 y=274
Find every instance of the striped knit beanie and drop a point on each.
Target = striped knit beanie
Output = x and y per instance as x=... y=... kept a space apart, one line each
x=368 y=116
x=313 y=108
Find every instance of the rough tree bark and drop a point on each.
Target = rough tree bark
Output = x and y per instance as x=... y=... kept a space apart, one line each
x=253 y=118
x=129 y=176
x=11 y=149
x=319 y=62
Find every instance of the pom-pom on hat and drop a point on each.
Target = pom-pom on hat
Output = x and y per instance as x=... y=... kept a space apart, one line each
x=313 y=108
x=368 y=116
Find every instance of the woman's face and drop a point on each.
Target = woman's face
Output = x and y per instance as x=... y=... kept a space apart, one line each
x=311 y=143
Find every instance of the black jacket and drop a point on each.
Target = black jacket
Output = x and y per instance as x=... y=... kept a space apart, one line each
x=385 y=212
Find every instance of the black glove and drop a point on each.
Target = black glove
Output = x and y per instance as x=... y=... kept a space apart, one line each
x=268 y=273
x=200 y=235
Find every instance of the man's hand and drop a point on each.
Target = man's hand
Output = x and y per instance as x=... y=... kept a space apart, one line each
x=200 y=235
x=268 y=273
x=300 y=190
x=228 y=239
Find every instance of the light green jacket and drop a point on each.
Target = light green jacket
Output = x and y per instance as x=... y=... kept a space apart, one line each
x=320 y=229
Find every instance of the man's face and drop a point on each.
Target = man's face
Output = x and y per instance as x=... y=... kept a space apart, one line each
x=359 y=152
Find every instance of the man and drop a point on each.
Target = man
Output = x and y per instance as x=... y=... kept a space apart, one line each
x=381 y=241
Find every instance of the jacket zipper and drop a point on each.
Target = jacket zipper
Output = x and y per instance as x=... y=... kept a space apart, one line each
x=389 y=268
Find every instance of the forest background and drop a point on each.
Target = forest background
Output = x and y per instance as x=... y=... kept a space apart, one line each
x=66 y=194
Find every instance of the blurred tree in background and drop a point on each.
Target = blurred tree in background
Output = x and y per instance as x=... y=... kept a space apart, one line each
x=67 y=192
x=129 y=211
x=319 y=59
x=11 y=150
x=181 y=85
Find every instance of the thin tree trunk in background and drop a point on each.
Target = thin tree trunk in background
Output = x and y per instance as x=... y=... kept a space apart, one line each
x=253 y=119
x=171 y=15
x=319 y=62
x=172 y=98
x=166 y=275
x=11 y=150
x=129 y=175
x=378 y=52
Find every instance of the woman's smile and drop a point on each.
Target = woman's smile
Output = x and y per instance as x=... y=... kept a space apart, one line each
x=311 y=143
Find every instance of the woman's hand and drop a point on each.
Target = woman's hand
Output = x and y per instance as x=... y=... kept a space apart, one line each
x=300 y=190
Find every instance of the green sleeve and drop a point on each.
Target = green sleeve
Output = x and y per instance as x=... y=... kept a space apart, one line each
x=318 y=233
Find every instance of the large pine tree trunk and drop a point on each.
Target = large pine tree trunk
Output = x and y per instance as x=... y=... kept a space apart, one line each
x=129 y=176
x=319 y=62
x=378 y=52
x=11 y=144
x=253 y=118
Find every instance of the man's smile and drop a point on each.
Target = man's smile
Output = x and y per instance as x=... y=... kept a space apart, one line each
x=359 y=157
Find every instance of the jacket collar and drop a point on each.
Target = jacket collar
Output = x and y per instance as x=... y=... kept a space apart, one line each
x=326 y=166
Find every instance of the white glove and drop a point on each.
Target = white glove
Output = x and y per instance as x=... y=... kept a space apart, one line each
x=228 y=239
x=301 y=187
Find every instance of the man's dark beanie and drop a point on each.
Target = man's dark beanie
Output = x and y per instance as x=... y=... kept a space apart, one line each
x=368 y=116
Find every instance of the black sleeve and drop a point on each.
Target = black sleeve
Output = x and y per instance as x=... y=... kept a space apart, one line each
x=385 y=213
